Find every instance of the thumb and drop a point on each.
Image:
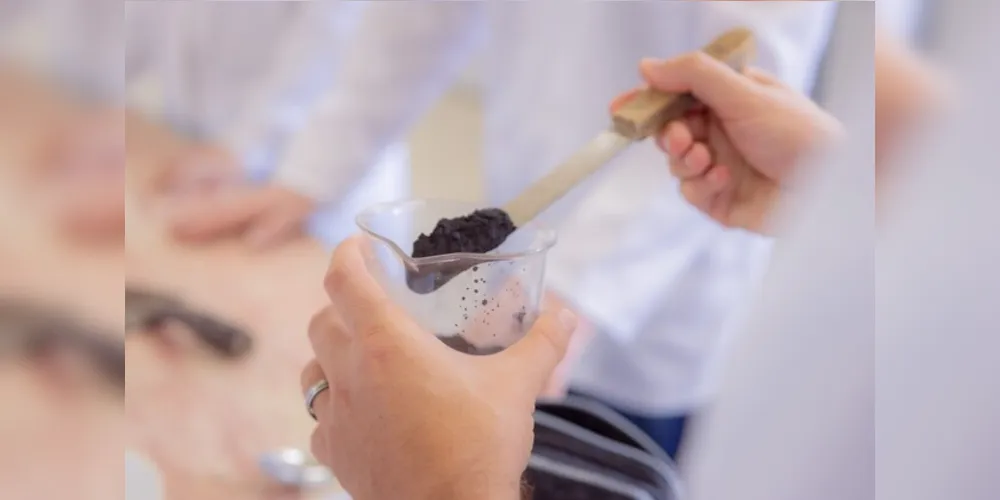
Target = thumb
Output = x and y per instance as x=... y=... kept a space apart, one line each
x=711 y=81
x=539 y=353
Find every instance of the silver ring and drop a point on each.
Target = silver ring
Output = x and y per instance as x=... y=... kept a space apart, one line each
x=311 y=395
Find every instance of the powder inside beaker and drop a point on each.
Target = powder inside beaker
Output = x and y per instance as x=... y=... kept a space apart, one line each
x=458 y=343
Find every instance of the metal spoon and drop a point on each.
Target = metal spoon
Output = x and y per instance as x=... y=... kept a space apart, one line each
x=295 y=467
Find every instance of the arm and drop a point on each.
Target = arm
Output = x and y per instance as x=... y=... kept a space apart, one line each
x=405 y=55
x=651 y=237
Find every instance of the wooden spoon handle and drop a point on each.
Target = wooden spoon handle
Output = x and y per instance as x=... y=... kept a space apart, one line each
x=649 y=110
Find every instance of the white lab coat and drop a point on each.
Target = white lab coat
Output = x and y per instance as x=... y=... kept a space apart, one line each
x=903 y=18
x=246 y=75
x=657 y=278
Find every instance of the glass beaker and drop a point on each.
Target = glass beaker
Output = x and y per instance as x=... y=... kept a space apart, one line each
x=482 y=310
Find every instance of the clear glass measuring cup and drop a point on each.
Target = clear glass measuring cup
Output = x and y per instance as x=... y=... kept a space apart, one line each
x=482 y=310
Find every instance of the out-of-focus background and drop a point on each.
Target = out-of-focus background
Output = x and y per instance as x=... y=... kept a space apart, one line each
x=206 y=403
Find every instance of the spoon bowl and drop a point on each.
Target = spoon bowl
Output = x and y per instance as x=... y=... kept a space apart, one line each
x=295 y=467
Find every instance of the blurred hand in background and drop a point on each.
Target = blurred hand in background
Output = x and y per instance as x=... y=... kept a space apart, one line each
x=198 y=170
x=263 y=216
x=209 y=199
x=732 y=155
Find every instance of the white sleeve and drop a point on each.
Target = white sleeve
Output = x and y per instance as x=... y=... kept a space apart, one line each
x=303 y=66
x=404 y=56
x=650 y=238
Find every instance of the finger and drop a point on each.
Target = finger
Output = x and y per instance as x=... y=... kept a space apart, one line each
x=676 y=139
x=537 y=355
x=701 y=192
x=318 y=446
x=365 y=308
x=213 y=216
x=313 y=374
x=693 y=164
x=271 y=230
x=330 y=341
x=713 y=82
x=617 y=102
x=697 y=160
x=190 y=180
x=721 y=208
x=762 y=77
x=697 y=123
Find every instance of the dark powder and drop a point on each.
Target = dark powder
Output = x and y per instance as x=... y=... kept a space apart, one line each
x=458 y=343
x=479 y=232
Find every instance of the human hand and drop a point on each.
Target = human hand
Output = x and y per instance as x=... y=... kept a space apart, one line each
x=263 y=216
x=733 y=154
x=199 y=170
x=405 y=415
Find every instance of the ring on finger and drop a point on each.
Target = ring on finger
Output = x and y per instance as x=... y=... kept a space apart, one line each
x=312 y=393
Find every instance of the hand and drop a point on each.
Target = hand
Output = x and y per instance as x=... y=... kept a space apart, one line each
x=406 y=416
x=263 y=216
x=733 y=155
x=203 y=169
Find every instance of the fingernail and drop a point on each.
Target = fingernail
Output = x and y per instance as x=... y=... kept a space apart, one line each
x=567 y=319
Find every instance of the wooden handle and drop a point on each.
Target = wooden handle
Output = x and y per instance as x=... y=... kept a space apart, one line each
x=649 y=110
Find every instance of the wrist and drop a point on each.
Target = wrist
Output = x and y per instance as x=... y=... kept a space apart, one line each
x=476 y=487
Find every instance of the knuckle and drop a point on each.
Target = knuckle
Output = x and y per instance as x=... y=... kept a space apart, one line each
x=374 y=334
x=321 y=326
x=380 y=324
x=550 y=338
x=306 y=377
x=690 y=193
x=337 y=277
x=696 y=60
